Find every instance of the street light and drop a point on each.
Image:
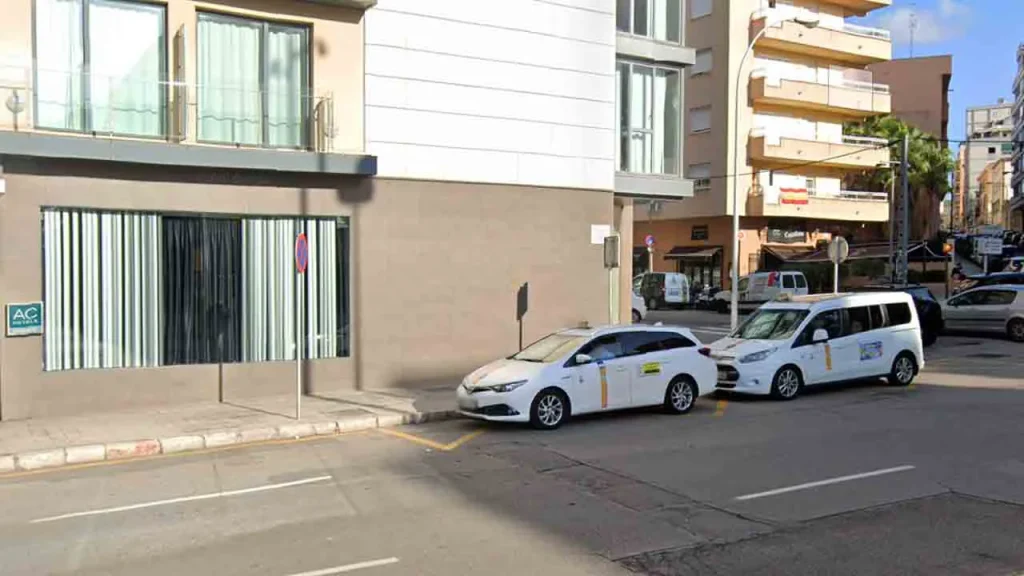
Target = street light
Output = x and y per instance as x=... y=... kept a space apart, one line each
x=808 y=22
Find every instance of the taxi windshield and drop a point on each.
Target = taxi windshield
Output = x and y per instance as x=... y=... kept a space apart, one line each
x=550 y=348
x=771 y=324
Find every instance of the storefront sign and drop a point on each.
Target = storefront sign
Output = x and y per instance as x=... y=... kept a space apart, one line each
x=699 y=232
x=779 y=236
x=25 y=319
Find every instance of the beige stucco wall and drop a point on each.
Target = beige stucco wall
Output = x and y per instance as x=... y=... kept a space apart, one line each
x=435 y=271
x=336 y=53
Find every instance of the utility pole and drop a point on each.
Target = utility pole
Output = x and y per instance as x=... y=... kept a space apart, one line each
x=903 y=216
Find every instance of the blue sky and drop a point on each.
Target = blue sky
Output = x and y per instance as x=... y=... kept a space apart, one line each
x=982 y=36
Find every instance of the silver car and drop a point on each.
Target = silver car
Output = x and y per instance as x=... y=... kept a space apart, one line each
x=998 y=308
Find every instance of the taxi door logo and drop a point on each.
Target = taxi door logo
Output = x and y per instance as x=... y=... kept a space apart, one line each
x=650 y=369
x=870 y=350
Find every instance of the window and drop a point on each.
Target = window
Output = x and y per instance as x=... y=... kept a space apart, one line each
x=991 y=149
x=788 y=281
x=699 y=232
x=831 y=321
x=899 y=313
x=701 y=176
x=253 y=82
x=100 y=67
x=649 y=108
x=877 y=317
x=702 y=64
x=801 y=282
x=127 y=290
x=858 y=319
x=648 y=342
x=998 y=297
x=770 y=324
x=657 y=19
x=812 y=186
x=603 y=348
x=700 y=8
x=700 y=119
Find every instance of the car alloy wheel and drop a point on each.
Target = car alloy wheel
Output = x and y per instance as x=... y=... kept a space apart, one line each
x=787 y=383
x=1016 y=330
x=904 y=370
x=681 y=396
x=550 y=410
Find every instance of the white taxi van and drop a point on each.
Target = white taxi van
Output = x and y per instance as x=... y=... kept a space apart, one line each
x=797 y=341
x=590 y=370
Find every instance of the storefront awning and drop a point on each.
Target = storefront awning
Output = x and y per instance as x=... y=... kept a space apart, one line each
x=693 y=252
x=787 y=253
x=916 y=252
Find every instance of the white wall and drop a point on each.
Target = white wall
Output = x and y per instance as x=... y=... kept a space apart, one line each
x=509 y=91
x=776 y=126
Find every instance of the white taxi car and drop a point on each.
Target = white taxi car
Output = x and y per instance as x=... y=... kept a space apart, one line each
x=590 y=370
x=805 y=340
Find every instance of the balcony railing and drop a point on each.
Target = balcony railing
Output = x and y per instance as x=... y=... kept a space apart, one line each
x=861 y=196
x=834 y=77
x=865 y=141
x=868 y=31
x=123 y=107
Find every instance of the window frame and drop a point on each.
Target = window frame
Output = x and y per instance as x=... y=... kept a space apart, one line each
x=265 y=25
x=694 y=16
x=624 y=127
x=652 y=20
x=85 y=105
x=689 y=119
x=697 y=69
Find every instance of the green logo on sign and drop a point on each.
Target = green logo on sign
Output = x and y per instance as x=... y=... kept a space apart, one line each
x=25 y=319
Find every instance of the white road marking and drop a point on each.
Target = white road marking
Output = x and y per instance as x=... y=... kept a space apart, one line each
x=827 y=482
x=349 y=567
x=182 y=499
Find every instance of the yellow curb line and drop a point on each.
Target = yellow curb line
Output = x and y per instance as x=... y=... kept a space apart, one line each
x=430 y=443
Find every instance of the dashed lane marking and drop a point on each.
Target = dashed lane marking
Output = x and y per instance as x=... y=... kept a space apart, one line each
x=349 y=567
x=826 y=482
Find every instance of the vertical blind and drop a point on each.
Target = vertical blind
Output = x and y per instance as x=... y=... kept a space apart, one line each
x=129 y=290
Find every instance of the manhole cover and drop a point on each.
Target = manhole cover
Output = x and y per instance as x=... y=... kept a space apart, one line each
x=988 y=355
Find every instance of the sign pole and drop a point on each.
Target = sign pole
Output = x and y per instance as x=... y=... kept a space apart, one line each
x=301 y=260
x=835 y=277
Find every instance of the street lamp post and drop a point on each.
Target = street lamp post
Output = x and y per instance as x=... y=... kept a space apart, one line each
x=735 y=267
x=891 y=165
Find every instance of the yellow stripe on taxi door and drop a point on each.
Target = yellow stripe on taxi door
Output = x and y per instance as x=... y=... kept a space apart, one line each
x=828 y=357
x=604 y=387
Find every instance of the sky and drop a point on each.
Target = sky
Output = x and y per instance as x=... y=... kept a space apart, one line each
x=982 y=36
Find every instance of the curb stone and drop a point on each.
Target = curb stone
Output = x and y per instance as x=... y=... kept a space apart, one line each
x=54 y=458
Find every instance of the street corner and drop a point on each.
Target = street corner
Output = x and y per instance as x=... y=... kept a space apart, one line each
x=440 y=436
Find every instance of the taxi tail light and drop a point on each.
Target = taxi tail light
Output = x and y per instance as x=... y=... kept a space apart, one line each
x=705 y=351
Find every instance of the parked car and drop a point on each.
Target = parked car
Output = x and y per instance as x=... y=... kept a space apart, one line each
x=992 y=279
x=998 y=309
x=639 y=308
x=800 y=341
x=590 y=370
x=929 y=310
x=663 y=289
x=760 y=287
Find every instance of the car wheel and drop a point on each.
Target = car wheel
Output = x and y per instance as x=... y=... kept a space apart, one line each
x=652 y=304
x=1015 y=330
x=636 y=316
x=787 y=384
x=681 y=395
x=903 y=370
x=550 y=409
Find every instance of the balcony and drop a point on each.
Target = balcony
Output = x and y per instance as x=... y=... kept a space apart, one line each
x=862 y=6
x=841 y=93
x=849 y=43
x=770 y=150
x=169 y=122
x=847 y=205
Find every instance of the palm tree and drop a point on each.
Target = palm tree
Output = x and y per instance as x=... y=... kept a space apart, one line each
x=930 y=164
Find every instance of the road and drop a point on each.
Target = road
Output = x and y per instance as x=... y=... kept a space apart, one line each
x=863 y=479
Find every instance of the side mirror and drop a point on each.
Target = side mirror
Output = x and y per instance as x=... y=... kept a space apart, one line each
x=820 y=335
x=583 y=359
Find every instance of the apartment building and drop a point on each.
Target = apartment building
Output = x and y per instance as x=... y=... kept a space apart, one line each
x=1017 y=155
x=989 y=130
x=782 y=108
x=920 y=91
x=994 y=194
x=160 y=158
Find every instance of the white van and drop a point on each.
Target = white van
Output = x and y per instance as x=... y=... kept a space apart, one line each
x=761 y=287
x=663 y=289
x=799 y=341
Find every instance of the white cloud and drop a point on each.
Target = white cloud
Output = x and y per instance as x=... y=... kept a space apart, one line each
x=946 y=21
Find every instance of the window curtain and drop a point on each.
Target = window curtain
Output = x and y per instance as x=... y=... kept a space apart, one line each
x=641 y=119
x=667 y=121
x=59 y=64
x=230 y=104
x=101 y=290
x=622 y=148
x=287 y=98
x=202 y=290
x=127 y=94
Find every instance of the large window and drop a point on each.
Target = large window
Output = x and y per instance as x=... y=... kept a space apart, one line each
x=657 y=19
x=128 y=290
x=253 y=82
x=100 y=67
x=648 y=118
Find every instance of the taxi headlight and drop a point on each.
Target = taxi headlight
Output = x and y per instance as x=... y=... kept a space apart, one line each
x=757 y=356
x=506 y=387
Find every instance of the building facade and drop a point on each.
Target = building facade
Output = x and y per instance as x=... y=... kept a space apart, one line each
x=1017 y=155
x=805 y=77
x=920 y=91
x=989 y=130
x=994 y=194
x=159 y=160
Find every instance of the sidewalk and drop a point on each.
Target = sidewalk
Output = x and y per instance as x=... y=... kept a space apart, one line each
x=51 y=442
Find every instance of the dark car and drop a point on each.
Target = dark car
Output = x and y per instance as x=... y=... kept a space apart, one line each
x=992 y=279
x=929 y=311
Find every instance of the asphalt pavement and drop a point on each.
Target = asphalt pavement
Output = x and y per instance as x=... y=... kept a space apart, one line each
x=857 y=479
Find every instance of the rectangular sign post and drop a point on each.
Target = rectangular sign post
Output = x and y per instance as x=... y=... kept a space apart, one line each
x=301 y=261
x=25 y=319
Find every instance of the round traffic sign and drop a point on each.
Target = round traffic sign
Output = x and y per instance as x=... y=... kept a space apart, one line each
x=301 y=253
x=838 y=250
x=649 y=240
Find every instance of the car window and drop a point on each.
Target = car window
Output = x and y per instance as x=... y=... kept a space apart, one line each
x=645 y=342
x=744 y=282
x=899 y=313
x=787 y=281
x=998 y=297
x=550 y=348
x=770 y=324
x=858 y=319
x=830 y=320
x=801 y=282
x=877 y=318
x=676 y=341
x=968 y=299
x=607 y=347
